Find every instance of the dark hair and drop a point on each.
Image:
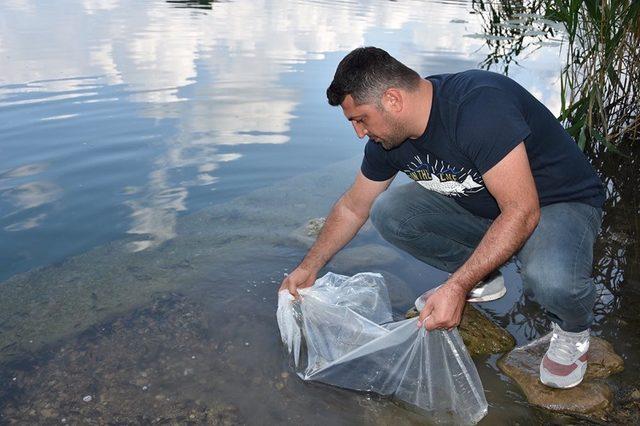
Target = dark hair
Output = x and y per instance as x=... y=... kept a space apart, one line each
x=366 y=73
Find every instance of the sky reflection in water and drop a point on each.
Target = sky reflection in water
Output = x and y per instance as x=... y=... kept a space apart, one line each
x=119 y=114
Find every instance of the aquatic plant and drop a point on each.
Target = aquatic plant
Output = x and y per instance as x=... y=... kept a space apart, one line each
x=600 y=39
x=600 y=82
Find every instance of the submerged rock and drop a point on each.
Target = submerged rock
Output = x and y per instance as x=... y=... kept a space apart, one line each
x=480 y=335
x=363 y=258
x=307 y=233
x=592 y=398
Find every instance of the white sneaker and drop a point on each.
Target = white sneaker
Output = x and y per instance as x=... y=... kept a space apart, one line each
x=564 y=364
x=491 y=288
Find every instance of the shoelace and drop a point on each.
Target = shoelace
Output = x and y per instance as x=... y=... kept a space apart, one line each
x=564 y=347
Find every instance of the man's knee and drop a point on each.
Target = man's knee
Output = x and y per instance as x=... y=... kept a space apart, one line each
x=394 y=211
x=556 y=284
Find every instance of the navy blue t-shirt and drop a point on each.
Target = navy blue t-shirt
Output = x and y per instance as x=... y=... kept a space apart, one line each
x=477 y=117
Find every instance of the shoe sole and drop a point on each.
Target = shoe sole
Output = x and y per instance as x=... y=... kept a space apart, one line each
x=489 y=297
x=556 y=386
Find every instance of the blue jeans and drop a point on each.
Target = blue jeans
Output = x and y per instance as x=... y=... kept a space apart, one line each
x=556 y=260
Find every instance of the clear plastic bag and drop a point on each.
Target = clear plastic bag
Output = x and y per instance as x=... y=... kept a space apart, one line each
x=341 y=333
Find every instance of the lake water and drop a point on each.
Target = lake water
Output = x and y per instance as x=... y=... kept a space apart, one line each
x=155 y=157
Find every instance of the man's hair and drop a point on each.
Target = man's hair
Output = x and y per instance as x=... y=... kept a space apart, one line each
x=366 y=73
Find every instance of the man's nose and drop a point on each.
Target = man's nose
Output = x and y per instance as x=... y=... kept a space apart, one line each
x=360 y=130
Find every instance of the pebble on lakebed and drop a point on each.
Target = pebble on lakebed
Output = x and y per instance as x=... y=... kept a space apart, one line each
x=309 y=231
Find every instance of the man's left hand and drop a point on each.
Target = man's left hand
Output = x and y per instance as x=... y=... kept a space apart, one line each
x=443 y=309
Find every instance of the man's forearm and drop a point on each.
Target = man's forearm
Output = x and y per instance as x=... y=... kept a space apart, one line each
x=505 y=236
x=341 y=226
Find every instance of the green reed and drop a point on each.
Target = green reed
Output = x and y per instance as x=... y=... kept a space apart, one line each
x=600 y=82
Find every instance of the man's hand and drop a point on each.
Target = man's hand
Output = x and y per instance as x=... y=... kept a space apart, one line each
x=443 y=308
x=346 y=218
x=298 y=278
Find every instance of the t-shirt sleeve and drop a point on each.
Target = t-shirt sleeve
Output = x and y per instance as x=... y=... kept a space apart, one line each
x=375 y=165
x=489 y=125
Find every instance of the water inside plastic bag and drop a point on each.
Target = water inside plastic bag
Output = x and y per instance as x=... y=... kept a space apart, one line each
x=341 y=332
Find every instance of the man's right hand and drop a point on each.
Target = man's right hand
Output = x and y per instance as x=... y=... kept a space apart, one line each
x=298 y=278
x=346 y=218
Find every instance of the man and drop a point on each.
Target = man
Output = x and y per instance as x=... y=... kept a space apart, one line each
x=495 y=176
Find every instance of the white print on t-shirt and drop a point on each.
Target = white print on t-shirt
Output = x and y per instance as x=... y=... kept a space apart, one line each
x=436 y=175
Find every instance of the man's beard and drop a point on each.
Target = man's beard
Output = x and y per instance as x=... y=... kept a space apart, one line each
x=397 y=134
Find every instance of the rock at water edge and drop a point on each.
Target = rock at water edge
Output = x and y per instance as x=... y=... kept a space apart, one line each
x=481 y=336
x=592 y=398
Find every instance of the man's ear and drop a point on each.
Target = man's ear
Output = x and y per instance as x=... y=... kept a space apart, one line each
x=392 y=100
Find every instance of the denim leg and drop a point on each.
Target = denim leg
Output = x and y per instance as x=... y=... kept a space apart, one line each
x=431 y=227
x=557 y=261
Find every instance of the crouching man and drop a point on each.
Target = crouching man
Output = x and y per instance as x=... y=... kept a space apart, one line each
x=495 y=175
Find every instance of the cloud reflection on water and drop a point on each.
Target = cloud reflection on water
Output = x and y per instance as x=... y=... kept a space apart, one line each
x=223 y=74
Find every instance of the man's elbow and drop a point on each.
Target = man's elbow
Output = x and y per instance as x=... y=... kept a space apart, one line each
x=531 y=217
x=524 y=217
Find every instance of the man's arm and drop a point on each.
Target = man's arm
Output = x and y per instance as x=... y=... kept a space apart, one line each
x=511 y=183
x=347 y=216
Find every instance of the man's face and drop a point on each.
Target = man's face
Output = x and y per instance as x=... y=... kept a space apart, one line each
x=376 y=122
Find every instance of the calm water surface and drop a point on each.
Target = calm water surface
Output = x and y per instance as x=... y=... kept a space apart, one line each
x=118 y=116
x=155 y=158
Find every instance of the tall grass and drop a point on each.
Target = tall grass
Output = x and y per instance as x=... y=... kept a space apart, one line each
x=600 y=83
x=600 y=79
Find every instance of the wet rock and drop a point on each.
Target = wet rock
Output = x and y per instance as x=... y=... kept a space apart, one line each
x=363 y=258
x=307 y=233
x=481 y=336
x=592 y=398
x=603 y=361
